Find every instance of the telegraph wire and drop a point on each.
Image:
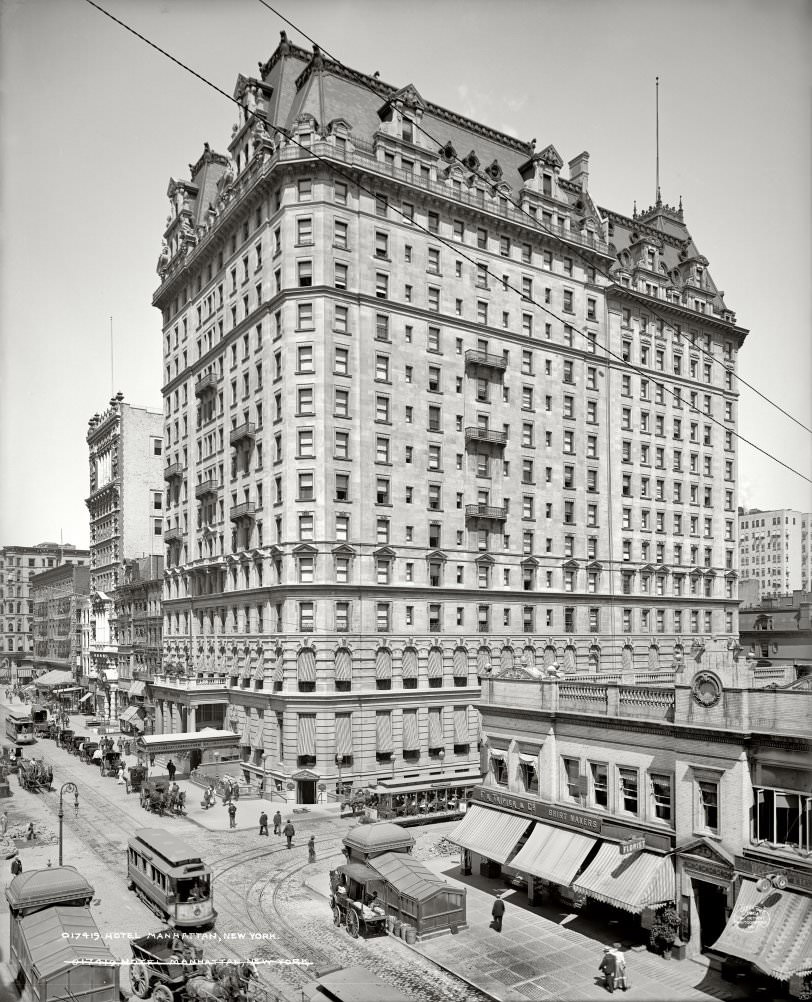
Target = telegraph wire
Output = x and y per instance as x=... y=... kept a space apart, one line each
x=334 y=167
x=540 y=224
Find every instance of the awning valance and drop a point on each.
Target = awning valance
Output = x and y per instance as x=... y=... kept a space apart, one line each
x=493 y=834
x=629 y=882
x=772 y=930
x=138 y=688
x=53 y=678
x=553 y=854
x=184 y=741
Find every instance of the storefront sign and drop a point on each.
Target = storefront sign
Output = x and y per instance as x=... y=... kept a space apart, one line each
x=755 y=868
x=707 y=867
x=630 y=845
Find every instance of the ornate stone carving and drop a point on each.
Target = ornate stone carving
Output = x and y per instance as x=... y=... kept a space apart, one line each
x=706 y=689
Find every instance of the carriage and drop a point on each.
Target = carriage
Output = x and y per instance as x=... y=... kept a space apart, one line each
x=138 y=773
x=357 y=801
x=39 y=714
x=167 y=966
x=110 y=763
x=351 y=888
x=64 y=737
x=35 y=775
x=76 y=742
x=87 y=750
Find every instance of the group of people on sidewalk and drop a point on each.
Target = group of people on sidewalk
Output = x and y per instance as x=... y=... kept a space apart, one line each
x=288 y=831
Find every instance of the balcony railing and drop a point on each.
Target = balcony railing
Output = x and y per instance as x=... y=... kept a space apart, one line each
x=173 y=472
x=246 y=430
x=173 y=535
x=485 y=359
x=485 y=511
x=205 y=384
x=205 y=488
x=486 y=436
x=247 y=509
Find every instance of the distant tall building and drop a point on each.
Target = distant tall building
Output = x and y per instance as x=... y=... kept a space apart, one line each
x=774 y=550
x=125 y=503
x=17 y=566
x=390 y=472
x=57 y=596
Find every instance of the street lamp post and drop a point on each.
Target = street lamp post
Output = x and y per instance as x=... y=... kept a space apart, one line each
x=339 y=763
x=66 y=788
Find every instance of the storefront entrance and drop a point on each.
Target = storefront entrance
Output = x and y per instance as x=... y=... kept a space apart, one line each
x=711 y=901
x=305 y=786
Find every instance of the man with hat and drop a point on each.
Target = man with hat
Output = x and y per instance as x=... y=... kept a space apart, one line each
x=608 y=967
x=498 y=912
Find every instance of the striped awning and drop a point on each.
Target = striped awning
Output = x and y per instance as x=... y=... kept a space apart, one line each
x=460 y=663
x=461 y=725
x=435 y=666
x=137 y=688
x=343 y=734
x=435 y=728
x=343 y=661
x=772 y=930
x=410 y=663
x=306 y=665
x=86 y=697
x=383 y=663
x=629 y=882
x=306 y=734
x=255 y=734
x=493 y=834
x=245 y=738
x=128 y=715
x=383 y=732
x=411 y=733
x=483 y=660
x=553 y=854
x=279 y=669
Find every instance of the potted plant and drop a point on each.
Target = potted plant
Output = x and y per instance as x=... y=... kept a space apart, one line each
x=664 y=930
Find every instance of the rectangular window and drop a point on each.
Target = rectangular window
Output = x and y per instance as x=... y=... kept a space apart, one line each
x=661 y=796
x=628 y=790
x=709 y=805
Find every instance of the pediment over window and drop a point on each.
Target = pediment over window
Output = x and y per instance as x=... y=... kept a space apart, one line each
x=340 y=126
x=436 y=555
x=485 y=558
x=384 y=553
x=305 y=550
x=594 y=565
x=648 y=569
x=343 y=550
x=530 y=562
x=571 y=564
x=706 y=850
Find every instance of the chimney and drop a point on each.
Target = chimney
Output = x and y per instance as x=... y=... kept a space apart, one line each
x=579 y=170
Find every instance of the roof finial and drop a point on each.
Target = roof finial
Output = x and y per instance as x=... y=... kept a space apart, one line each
x=634 y=213
x=659 y=200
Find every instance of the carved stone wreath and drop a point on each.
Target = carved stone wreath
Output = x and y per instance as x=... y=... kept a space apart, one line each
x=707 y=689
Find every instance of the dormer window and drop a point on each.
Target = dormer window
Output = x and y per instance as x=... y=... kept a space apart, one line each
x=407 y=130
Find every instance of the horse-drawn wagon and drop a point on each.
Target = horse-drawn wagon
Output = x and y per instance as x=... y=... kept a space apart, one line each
x=167 y=967
x=35 y=775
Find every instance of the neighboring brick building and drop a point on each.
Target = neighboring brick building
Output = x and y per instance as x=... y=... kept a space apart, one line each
x=774 y=550
x=125 y=446
x=138 y=617
x=634 y=797
x=389 y=472
x=779 y=628
x=18 y=564
x=56 y=596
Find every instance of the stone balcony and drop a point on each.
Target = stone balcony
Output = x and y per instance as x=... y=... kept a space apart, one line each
x=245 y=431
x=491 y=513
x=207 y=383
x=247 y=509
x=485 y=360
x=173 y=472
x=173 y=535
x=485 y=436
x=205 y=488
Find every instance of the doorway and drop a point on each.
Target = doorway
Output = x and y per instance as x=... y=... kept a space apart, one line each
x=305 y=791
x=711 y=903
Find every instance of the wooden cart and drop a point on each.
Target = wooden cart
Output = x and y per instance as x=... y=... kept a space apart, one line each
x=351 y=886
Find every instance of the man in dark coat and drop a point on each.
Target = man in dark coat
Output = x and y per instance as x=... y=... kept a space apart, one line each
x=232 y=815
x=608 y=966
x=289 y=831
x=498 y=912
x=277 y=823
x=311 y=849
x=263 y=823
x=16 y=866
x=170 y=768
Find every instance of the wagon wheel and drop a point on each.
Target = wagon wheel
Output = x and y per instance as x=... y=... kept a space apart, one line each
x=352 y=923
x=336 y=915
x=162 y=993
x=139 y=980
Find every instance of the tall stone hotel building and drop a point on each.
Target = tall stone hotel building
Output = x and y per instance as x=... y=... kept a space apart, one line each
x=415 y=433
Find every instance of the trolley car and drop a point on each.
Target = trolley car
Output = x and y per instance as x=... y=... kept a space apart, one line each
x=19 y=727
x=170 y=879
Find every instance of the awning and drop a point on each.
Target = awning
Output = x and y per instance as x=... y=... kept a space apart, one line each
x=136 y=723
x=86 y=697
x=306 y=665
x=344 y=734
x=460 y=725
x=138 y=688
x=306 y=735
x=69 y=690
x=184 y=741
x=492 y=834
x=343 y=665
x=435 y=663
x=127 y=716
x=553 y=854
x=772 y=930
x=53 y=678
x=410 y=663
x=383 y=733
x=629 y=882
x=411 y=734
x=436 y=728
x=383 y=664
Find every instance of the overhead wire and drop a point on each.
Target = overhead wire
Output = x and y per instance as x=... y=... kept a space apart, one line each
x=535 y=222
x=412 y=222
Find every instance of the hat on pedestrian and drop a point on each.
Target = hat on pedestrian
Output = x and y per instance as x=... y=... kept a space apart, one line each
x=607 y=949
x=617 y=946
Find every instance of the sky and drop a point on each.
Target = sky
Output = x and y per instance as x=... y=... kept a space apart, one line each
x=93 y=124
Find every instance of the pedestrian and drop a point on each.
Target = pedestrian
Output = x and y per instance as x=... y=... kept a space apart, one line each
x=621 y=980
x=263 y=823
x=277 y=823
x=311 y=849
x=4 y=823
x=498 y=912
x=232 y=815
x=170 y=768
x=16 y=866
x=121 y=780
x=30 y=834
x=289 y=831
x=608 y=967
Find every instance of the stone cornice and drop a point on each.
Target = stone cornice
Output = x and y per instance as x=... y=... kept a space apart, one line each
x=685 y=315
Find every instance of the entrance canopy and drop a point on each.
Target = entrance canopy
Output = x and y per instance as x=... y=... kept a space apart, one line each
x=630 y=882
x=187 y=741
x=772 y=930
x=52 y=679
x=492 y=834
x=553 y=854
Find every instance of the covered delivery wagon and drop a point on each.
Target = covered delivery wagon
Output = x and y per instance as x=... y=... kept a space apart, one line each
x=416 y=895
x=61 y=956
